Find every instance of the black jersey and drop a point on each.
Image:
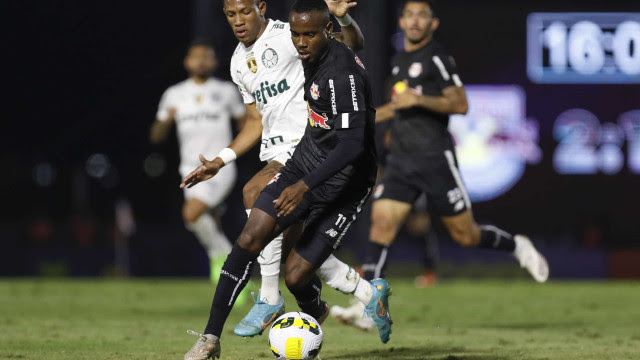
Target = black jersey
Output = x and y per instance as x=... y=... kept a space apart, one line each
x=338 y=94
x=417 y=130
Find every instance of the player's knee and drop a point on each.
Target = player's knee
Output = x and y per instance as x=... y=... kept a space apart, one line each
x=382 y=230
x=250 y=193
x=189 y=216
x=250 y=242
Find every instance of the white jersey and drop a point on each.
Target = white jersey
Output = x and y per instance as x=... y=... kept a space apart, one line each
x=269 y=73
x=203 y=118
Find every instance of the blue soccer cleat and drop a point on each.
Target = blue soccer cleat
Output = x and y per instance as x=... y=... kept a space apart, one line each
x=378 y=308
x=259 y=318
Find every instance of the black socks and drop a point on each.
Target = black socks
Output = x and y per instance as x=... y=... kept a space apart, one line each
x=234 y=276
x=376 y=261
x=494 y=238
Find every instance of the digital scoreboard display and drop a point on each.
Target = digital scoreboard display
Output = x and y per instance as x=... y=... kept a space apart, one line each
x=587 y=48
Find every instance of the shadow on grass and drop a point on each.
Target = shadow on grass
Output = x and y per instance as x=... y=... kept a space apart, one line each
x=421 y=352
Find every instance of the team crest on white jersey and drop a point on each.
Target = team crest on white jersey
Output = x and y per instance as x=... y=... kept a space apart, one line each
x=315 y=94
x=270 y=58
x=415 y=69
x=252 y=63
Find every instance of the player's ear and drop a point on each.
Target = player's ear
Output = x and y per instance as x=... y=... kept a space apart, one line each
x=329 y=29
x=262 y=8
x=434 y=24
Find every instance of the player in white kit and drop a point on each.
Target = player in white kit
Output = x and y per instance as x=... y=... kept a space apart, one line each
x=268 y=71
x=202 y=108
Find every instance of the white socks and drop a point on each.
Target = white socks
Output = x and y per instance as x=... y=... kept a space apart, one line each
x=339 y=275
x=269 y=260
x=212 y=239
x=364 y=291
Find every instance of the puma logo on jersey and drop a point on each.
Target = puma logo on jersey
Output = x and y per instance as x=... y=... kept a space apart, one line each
x=268 y=91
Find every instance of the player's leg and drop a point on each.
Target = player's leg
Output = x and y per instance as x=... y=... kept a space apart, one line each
x=198 y=218
x=429 y=276
x=387 y=216
x=314 y=248
x=449 y=197
x=268 y=302
x=269 y=259
x=259 y=230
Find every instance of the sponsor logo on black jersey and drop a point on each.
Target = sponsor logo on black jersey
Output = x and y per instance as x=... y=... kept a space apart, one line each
x=359 y=62
x=317 y=120
x=334 y=107
x=354 y=96
x=415 y=69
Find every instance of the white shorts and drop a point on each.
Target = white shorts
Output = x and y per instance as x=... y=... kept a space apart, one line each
x=280 y=153
x=215 y=190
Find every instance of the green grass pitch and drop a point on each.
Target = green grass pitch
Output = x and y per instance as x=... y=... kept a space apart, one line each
x=147 y=319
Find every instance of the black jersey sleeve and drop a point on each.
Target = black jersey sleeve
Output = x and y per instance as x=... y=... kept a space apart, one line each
x=348 y=100
x=349 y=147
x=446 y=70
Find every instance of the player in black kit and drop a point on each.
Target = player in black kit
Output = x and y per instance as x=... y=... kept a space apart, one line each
x=422 y=160
x=323 y=185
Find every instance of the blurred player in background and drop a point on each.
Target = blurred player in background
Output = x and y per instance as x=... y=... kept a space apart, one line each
x=202 y=108
x=427 y=90
x=268 y=71
x=323 y=185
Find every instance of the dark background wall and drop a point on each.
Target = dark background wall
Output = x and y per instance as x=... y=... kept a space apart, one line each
x=84 y=78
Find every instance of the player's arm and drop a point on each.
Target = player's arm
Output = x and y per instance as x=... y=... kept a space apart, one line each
x=351 y=34
x=385 y=112
x=165 y=118
x=452 y=101
x=160 y=128
x=249 y=136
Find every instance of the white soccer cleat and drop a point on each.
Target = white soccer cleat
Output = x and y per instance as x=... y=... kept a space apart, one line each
x=530 y=258
x=352 y=315
x=207 y=346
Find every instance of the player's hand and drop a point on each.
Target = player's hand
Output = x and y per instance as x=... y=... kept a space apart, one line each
x=290 y=198
x=405 y=99
x=204 y=172
x=339 y=8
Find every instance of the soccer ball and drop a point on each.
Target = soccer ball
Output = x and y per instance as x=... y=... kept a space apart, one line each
x=295 y=335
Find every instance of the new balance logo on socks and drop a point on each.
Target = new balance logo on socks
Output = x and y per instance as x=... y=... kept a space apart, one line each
x=332 y=232
x=222 y=272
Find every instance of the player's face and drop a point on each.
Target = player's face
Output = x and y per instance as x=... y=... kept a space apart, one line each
x=200 y=61
x=417 y=21
x=310 y=33
x=246 y=18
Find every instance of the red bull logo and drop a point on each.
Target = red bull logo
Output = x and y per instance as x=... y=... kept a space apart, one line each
x=316 y=119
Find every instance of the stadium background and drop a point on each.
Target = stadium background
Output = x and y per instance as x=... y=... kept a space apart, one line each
x=85 y=79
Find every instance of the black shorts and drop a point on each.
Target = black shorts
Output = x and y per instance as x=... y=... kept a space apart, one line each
x=406 y=177
x=324 y=220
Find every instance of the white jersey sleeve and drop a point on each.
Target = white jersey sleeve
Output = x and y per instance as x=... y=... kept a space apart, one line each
x=236 y=76
x=166 y=102
x=235 y=104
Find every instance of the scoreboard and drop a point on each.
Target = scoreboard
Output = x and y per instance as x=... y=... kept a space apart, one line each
x=595 y=48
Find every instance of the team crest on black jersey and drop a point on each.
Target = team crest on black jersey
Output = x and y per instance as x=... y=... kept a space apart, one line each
x=252 y=63
x=317 y=120
x=359 y=62
x=415 y=69
x=315 y=94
